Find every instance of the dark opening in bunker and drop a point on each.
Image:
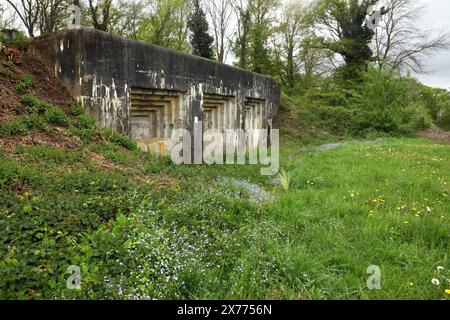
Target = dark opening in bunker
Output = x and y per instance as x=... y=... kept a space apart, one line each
x=154 y=116
x=218 y=112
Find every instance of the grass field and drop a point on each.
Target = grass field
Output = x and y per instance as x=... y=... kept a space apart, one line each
x=140 y=227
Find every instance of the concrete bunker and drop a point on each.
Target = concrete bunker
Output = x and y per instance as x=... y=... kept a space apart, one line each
x=146 y=91
x=154 y=116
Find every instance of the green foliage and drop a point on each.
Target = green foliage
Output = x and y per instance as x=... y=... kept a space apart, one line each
x=381 y=103
x=25 y=84
x=22 y=125
x=260 y=59
x=119 y=139
x=86 y=135
x=6 y=72
x=166 y=25
x=34 y=104
x=285 y=180
x=21 y=41
x=14 y=127
x=354 y=36
x=202 y=238
x=388 y=104
x=76 y=109
x=84 y=122
x=242 y=42
x=437 y=101
x=201 y=41
x=55 y=115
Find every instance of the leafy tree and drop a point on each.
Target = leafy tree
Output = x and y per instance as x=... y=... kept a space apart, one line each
x=260 y=59
x=132 y=15
x=289 y=40
x=100 y=12
x=350 y=36
x=255 y=27
x=242 y=39
x=166 y=24
x=201 y=41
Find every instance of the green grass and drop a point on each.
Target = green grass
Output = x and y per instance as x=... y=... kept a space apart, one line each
x=143 y=227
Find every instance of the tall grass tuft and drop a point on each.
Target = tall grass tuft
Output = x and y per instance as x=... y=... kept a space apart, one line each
x=284 y=180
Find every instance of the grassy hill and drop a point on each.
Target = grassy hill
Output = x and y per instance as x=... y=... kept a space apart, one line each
x=140 y=227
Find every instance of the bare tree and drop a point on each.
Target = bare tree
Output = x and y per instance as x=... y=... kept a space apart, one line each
x=399 y=43
x=220 y=13
x=28 y=12
x=7 y=18
x=52 y=14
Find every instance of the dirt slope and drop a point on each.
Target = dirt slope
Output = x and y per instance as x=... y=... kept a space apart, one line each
x=13 y=65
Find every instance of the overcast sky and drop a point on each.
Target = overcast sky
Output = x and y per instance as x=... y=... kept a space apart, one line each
x=437 y=18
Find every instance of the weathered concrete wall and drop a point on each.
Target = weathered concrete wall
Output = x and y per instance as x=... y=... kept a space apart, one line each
x=101 y=70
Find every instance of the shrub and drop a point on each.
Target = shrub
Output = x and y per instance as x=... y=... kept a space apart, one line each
x=33 y=121
x=31 y=101
x=84 y=122
x=375 y=120
x=86 y=135
x=6 y=72
x=120 y=139
x=444 y=119
x=21 y=125
x=55 y=115
x=76 y=109
x=16 y=126
x=26 y=83
x=35 y=104
x=416 y=117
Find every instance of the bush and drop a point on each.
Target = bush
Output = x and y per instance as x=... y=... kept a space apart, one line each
x=386 y=104
x=16 y=126
x=26 y=83
x=6 y=72
x=375 y=120
x=437 y=101
x=85 y=122
x=21 y=125
x=120 y=139
x=31 y=102
x=55 y=115
x=76 y=109
x=85 y=135
x=416 y=117
x=33 y=121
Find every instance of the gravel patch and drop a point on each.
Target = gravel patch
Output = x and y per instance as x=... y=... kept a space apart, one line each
x=331 y=146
